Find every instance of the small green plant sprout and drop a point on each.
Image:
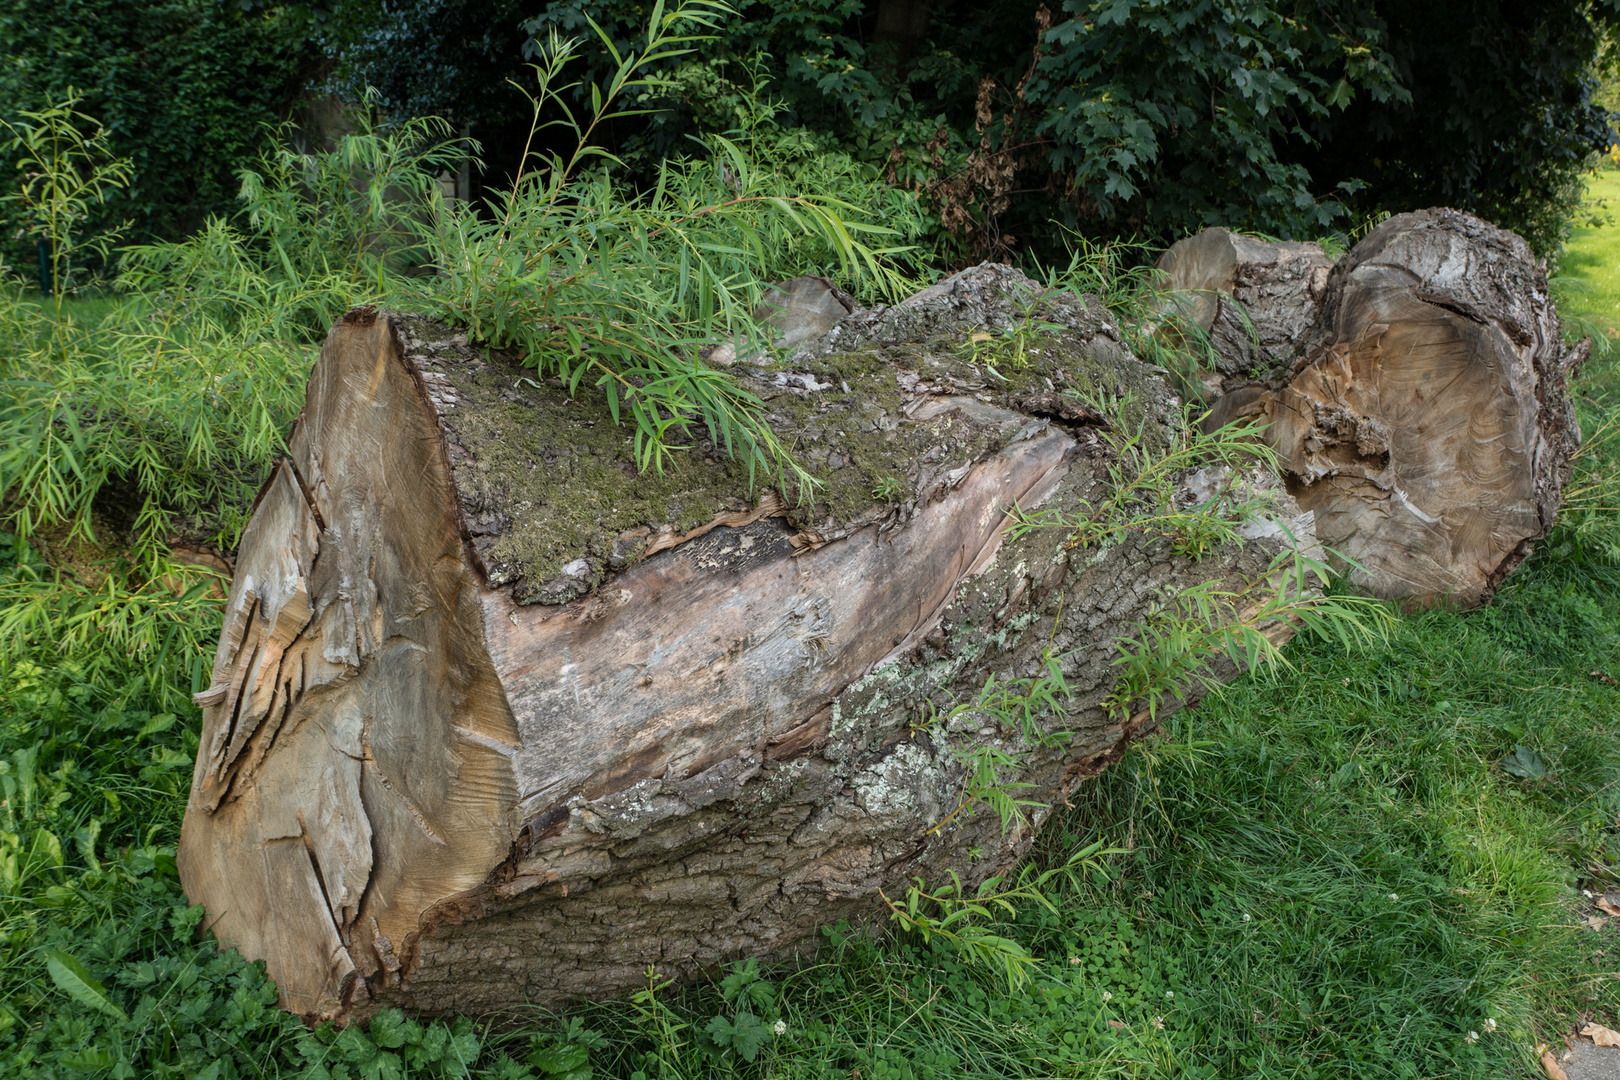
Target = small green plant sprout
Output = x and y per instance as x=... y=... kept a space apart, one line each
x=749 y=1029
x=954 y=915
x=1185 y=634
x=661 y=1025
x=887 y=489
x=1015 y=707
x=1010 y=349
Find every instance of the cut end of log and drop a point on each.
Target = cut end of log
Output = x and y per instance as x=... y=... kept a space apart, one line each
x=355 y=768
x=1428 y=422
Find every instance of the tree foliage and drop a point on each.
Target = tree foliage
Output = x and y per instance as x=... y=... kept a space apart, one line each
x=1120 y=117
x=184 y=90
x=1503 y=112
x=1177 y=114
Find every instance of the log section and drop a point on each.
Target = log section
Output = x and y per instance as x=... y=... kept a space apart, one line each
x=1428 y=422
x=497 y=719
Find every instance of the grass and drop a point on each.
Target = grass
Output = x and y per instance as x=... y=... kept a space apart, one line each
x=1339 y=870
x=1587 y=283
x=87 y=308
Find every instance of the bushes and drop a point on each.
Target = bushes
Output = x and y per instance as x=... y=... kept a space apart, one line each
x=184 y=88
x=1138 y=117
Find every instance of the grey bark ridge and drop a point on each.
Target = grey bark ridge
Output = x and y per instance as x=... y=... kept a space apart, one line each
x=1256 y=299
x=429 y=779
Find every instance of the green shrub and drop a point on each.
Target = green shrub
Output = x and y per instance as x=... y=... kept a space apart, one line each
x=188 y=92
x=1144 y=118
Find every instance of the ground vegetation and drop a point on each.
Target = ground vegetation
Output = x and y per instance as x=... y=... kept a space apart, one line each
x=1383 y=860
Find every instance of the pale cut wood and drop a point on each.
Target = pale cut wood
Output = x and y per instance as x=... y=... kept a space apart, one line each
x=1428 y=422
x=498 y=720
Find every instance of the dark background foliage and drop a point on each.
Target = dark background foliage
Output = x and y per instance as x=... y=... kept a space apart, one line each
x=188 y=89
x=1140 y=118
x=1149 y=118
x=1502 y=112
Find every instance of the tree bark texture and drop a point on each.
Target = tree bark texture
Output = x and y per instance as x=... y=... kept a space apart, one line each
x=1255 y=299
x=497 y=719
x=1424 y=414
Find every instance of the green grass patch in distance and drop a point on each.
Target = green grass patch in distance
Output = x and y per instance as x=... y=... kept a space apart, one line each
x=1588 y=276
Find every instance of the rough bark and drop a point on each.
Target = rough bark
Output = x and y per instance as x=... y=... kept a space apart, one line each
x=1427 y=422
x=1255 y=299
x=497 y=719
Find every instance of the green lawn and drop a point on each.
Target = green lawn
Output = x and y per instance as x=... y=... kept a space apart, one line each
x=1340 y=870
x=1590 y=270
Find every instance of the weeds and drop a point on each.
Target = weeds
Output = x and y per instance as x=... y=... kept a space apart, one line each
x=1157 y=323
x=621 y=289
x=1186 y=633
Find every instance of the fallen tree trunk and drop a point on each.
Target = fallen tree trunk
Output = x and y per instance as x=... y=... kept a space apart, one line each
x=1426 y=420
x=497 y=719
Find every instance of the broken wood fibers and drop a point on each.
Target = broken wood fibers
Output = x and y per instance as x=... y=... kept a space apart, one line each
x=709 y=737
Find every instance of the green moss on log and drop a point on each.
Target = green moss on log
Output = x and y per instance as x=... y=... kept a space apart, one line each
x=548 y=480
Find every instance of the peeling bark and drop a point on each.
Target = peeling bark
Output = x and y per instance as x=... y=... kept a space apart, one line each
x=497 y=720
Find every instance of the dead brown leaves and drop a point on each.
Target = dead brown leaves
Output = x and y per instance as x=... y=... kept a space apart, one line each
x=1601 y=1035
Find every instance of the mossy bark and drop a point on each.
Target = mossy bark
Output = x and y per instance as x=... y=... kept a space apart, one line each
x=498 y=719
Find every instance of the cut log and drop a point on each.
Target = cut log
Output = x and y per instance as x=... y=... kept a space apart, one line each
x=1256 y=299
x=1428 y=422
x=498 y=720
